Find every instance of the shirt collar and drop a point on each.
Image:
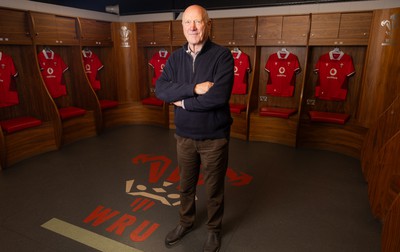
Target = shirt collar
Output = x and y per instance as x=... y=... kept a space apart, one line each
x=46 y=54
x=87 y=53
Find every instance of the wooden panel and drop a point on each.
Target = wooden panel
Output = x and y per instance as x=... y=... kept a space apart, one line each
x=391 y=226
x=239 y=128
x=144 y=32
x=244 y=31
x=269 y=30
x=136 y=113
x=325 y=26
x=14 y=28
x=171 y=117
x=162 y=33
x=380 y=158
x=30 y=142
x=295 y=30
x=387 y=125
x=124 y=114
x=45 y=28
x=273 y=129
x=3 y=154
x=95 y=32
x=222 y=31
x=54 y=30
x=178 y=38
x=355 y=25
x=152 y=115
x=340 y=28
x=379 y=189
x=107 y=75
x=67 y=30
x=384 y=168
x=346 y=139
x=380 y=83
x=127 y=63
x=153 y=33
x=78 y=128
x=132 y=113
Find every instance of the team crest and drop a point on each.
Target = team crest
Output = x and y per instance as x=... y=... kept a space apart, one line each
x=162 y=182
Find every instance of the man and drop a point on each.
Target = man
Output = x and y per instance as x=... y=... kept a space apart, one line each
x=198 y=80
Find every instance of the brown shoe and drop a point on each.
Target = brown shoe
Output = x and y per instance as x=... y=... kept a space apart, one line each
x=175 y=235
x=213 y=242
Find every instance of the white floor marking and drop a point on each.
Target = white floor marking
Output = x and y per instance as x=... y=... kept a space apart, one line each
x=86 y=237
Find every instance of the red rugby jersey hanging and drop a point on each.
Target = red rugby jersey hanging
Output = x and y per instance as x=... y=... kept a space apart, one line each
x=157 y=62
x=92 y=65
x=333 y=70
x=242 y=68
x=282 y=67
x=52 y=68
x=8 y=93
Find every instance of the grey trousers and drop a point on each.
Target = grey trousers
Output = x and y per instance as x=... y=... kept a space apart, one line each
x=211 y=156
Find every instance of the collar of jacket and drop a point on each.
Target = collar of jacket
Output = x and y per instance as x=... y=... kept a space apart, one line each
x=203 y=49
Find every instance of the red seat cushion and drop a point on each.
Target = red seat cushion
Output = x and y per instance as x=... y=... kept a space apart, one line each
x=69 y=112
x=329 y=117
x=106 y=104
x=237 y=108
x=277 y=112
x=152 y=101
x=19 y=123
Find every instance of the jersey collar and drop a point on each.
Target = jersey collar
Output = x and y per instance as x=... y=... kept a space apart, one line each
x=46 y=54
x=336 y=55
x=283 y=55
x=87 y=53
x=163 y=53
x=238 y=53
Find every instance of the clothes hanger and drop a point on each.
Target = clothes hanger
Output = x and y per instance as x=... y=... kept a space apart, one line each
x=336 y=53
x=336 y=50
x=284 y=50
x=163 y=52
x=236 y=50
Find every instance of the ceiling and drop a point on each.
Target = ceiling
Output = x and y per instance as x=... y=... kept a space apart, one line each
x=131 y=7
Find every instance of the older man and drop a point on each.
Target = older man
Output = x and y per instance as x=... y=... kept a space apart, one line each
x=198 y=80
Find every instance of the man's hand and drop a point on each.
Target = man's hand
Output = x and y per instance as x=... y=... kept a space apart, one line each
x=203 y=87
x=178 y=103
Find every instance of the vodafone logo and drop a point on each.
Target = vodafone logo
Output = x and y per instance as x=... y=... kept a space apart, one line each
x=50 y=71
x=333 y=72
x=282 y=70
x=87 y=67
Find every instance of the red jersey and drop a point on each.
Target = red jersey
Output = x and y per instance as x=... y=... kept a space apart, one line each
x=52 y=67
x=8 y=94
x=333 y=71
x=242 y=67
x=281 y=67
x=157 y=62
x=92 y=65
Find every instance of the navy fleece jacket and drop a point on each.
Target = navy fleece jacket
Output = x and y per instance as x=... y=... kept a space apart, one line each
x=205 y=116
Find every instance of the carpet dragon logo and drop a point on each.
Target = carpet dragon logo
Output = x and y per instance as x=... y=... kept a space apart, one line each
x=162 y=185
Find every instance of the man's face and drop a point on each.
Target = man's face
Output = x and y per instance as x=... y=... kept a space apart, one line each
x=195 y=28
